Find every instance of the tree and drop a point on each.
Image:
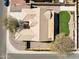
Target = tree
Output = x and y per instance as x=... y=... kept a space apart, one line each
x=10 y=24
x=62 y=44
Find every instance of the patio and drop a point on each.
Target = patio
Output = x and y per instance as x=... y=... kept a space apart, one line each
x=72 y=26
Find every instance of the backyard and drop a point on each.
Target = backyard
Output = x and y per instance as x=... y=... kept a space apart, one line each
x=64 y=18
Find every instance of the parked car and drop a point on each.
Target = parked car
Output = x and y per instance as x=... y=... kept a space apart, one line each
x=6 y=3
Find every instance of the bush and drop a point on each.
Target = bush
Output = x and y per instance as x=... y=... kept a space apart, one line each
x=10 y=23
x=63 y=44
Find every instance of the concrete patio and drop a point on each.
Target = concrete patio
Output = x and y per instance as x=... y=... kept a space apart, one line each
x=71 y=26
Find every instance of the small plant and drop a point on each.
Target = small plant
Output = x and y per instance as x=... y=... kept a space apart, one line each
x=10 y=24
x=63 y=44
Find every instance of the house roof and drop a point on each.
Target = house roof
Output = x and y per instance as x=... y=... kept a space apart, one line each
x=42 y=30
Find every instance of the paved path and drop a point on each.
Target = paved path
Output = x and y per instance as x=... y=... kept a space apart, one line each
x=71 y=26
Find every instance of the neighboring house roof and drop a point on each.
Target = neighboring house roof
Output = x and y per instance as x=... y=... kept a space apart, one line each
x=17 y=5
x=17 y=1
x=39 y=0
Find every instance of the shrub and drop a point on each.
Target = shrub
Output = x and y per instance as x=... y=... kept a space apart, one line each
x=10 y=23
x=63 y=44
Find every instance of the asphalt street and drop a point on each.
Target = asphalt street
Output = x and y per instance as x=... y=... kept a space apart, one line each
x=40 y=56
x=2 y=32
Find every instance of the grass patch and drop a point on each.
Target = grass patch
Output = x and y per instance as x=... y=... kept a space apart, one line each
x=64 y=18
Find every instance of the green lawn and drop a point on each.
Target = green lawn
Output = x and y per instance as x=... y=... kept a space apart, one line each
x=64 y=18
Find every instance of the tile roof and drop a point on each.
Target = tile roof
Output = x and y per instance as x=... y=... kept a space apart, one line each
x=18 y=1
